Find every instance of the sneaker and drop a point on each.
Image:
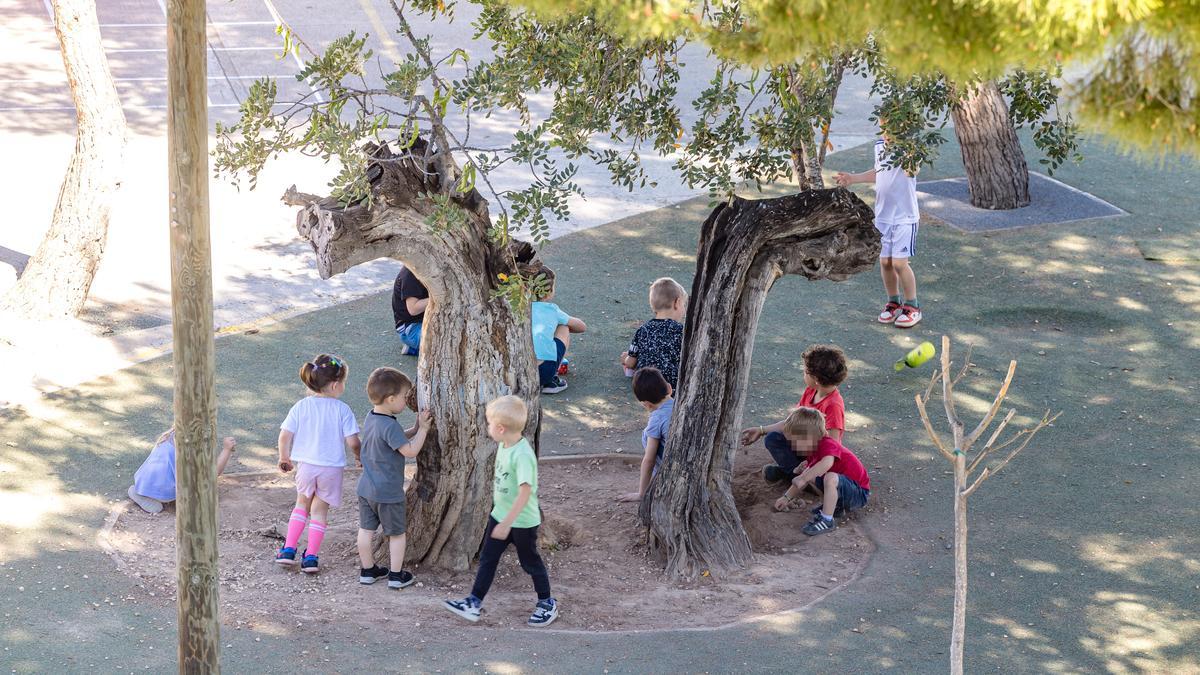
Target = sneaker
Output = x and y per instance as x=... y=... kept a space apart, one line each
x=467 y=608
x=286 y=556
x=309 y=564
x=544 y=613
x=555 y=386
x=819 y=525
x=564 y=367
x=401 y=579
x=773 y=473
x=908 y=317
x=148 y=504
x=890 y=313
x=369 y=575
x=405 y=350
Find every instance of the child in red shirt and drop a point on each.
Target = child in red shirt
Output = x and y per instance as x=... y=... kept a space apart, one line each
x=824 y=369
x=830 y=467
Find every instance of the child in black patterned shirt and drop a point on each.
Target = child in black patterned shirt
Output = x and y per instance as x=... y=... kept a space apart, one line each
x=659 y=341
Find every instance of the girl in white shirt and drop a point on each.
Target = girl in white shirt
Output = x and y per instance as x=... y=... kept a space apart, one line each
x=314 y=437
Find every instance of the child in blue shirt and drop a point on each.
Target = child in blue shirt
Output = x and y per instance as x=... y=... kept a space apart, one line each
x=654 y=392
x=552 y=330
x=154 y=482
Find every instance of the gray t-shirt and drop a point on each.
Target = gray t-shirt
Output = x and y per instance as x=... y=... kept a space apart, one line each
x=382 y=478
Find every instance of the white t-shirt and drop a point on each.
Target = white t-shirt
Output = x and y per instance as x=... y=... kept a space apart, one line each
x=320 y=425
x=895 y=193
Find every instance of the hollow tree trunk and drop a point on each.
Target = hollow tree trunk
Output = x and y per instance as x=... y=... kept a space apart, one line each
x=744 y=247
x=56 y=279
x=991 y=152
x=473 y=347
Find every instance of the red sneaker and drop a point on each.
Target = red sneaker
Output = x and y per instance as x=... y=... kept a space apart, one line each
x=890 y=312
x=908 y=317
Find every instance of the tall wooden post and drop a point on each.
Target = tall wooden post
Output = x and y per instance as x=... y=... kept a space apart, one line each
x=191 y=311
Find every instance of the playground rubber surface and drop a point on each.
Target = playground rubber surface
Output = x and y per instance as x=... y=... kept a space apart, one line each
x=1084 y=551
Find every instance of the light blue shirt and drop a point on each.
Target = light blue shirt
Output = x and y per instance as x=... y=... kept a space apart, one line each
x=156 y=477
x=658 y=426
x=546 y=317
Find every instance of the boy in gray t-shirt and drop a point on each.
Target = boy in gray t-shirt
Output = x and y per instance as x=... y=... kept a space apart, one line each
x=385 y=444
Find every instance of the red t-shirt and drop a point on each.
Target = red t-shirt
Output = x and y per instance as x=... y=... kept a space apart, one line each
x=831 y=406
x=844 y=461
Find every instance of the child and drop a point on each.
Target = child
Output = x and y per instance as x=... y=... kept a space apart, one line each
x=154 y=481
x=515 y=515
x=824 y=369
x=831 y=468
x=385 y=444
x=409 y=300
x=552 y=330
x=653 y=390
x=314 y=436
x=897 y=219
x=659 y=342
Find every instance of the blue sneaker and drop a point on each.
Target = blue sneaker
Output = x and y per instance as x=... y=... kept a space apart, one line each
x=468 y=608
x=309 y=564
x=818 y=525
x=544 y=613
x=286 y=556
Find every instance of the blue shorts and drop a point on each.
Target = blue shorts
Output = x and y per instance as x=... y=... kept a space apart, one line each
x=850 y=495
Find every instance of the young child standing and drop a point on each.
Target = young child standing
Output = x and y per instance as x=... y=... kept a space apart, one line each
x=515 y=515
x=552 y=330
x=313 y=438
x=824 y=369
x=154 y=481
x=658 y=343
x=836 y=472
x=385 y=445
x=897 y=218
x=654 y=392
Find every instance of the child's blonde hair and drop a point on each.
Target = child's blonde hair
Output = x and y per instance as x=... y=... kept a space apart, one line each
x=165 y=435
x=805 y=422
x=664 y=292
x=509 y=411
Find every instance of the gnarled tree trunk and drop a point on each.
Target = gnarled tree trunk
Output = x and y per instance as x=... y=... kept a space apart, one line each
x=56 y=279
x=991 y=152
x=745 y=246
x=473 y=347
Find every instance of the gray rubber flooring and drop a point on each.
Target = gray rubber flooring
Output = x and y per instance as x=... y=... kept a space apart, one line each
x=1051 y=202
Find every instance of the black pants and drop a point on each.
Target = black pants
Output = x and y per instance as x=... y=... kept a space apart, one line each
x=525 y=539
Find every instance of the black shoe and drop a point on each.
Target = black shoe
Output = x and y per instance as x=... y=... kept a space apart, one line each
x=369 y=575
x=837 y=512
x=818 y=525
x=556 y=385
x=773 y=473
x=401 y=579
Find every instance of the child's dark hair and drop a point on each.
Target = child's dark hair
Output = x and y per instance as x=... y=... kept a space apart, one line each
x=385 y=382
x=650 y=386
x=322 y=372
x=827 y=365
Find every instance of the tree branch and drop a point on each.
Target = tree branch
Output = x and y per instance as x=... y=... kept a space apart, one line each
x=1028 y=434
x=987 y=420
x=988 y=447
x=937 y=440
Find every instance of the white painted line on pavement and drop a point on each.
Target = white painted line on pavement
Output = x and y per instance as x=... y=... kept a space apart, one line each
x=299 y=64
x=218 y=49
x=211 y=23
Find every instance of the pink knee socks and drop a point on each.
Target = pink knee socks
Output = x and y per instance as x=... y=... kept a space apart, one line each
x=296 y=526
x=316 y=534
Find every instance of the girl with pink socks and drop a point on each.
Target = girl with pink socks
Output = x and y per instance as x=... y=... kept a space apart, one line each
x=313 y=438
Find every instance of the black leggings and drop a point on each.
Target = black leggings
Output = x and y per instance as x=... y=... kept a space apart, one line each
x=525 y=539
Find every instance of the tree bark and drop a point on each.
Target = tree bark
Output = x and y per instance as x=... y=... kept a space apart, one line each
x=745 y=246
x=56 y=280
x=474 y=348
x=997 y=175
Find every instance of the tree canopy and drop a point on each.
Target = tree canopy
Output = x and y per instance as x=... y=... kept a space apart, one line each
x=1132 y=65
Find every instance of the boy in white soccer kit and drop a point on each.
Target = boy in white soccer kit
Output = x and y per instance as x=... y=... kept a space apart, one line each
x=897 y=219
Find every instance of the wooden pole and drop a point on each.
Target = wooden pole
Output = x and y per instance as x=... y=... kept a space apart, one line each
x=192 y=328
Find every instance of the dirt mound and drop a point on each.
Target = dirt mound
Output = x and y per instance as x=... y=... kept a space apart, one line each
x=592 y=544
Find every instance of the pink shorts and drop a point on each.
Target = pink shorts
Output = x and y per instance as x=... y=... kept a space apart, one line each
x=323 y=481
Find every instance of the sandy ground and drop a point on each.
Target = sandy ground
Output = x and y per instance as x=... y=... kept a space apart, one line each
x=592 y=544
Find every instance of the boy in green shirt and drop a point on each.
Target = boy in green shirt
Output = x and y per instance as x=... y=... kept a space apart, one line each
x=515 y=515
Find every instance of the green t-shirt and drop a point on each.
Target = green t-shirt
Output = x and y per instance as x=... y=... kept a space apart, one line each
x=516 y=466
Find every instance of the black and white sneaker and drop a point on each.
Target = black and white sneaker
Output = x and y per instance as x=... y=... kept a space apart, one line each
x=468 y=608
x=544 y=613
x=818 y=525
x=369 y=575
x=556 y=385
x=401 y=579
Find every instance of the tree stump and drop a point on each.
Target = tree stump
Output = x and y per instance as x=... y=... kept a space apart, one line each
x=745 y=246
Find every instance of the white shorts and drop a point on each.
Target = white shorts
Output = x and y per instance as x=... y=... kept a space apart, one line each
x=898 y=241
